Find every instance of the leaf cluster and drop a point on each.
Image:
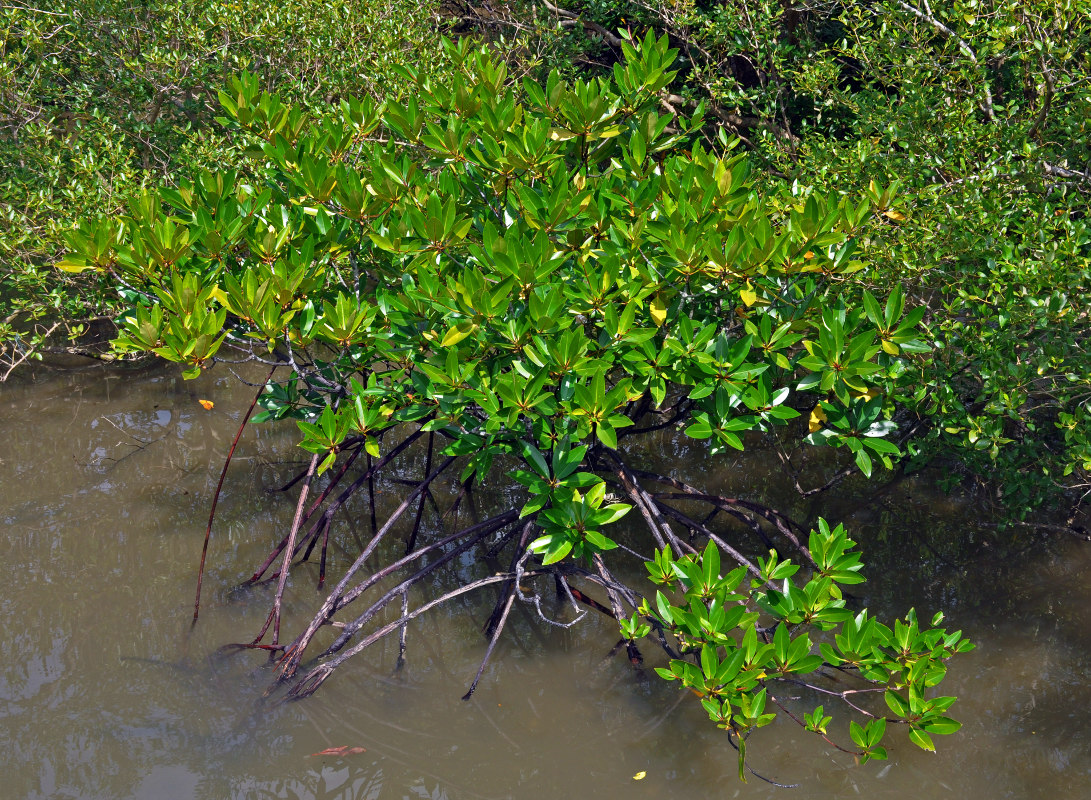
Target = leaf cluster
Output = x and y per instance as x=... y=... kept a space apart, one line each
x=532 y=272
x=740 y=635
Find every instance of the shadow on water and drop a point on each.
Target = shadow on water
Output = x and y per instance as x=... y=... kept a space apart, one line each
x=106 y=692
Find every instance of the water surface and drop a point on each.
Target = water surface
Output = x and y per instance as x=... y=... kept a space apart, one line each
x=106 y=691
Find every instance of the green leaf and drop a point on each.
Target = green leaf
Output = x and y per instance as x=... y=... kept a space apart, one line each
x=863 y=461
x=921 y=740
x=327 y=462
x=856 y=732
x=941 y=725
x=897 y=703
x=606 y=434
x=614 y=512
x=535 y=458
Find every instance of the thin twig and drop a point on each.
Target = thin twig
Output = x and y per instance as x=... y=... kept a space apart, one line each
x=987 y=106
x=216 y=497
x=309 y=684
x=699 y=528
x=492 y=642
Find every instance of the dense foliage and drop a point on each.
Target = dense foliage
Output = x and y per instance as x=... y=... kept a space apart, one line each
x=101 y=98
x=965 y=123
x=527 y=275
x=971 y=118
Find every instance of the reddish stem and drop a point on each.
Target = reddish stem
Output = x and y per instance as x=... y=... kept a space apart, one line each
x=219 y=487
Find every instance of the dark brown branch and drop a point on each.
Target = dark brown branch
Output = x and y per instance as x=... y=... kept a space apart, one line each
x=463 y=491
x=313 y=534
x=610 y=38
x=615 y=603
x=632 y=488
x=783 y=523
x=309 y=684
x=371 y=494
x=412 y=543
x=590 y=602
x=340 y=501
x=357 y=445
x=681 y=411
x=492 y=642
x=294 y=653
x=478 y=532
x=699 y=528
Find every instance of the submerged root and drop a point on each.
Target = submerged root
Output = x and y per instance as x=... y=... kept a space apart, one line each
x=422 y=560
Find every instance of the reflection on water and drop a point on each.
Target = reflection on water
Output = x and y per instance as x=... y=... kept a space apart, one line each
x=106 y=692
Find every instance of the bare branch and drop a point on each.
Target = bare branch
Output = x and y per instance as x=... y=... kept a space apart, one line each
x=611 y=39
x=987 y=105
x=216 y=497
x=309 y=684
x=293 y=654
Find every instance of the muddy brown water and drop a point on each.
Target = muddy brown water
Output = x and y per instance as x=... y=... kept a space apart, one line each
x=106 y=692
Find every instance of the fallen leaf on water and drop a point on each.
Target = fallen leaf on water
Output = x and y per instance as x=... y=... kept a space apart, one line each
x=344 y=750
x=207 y=404
x=640 y=776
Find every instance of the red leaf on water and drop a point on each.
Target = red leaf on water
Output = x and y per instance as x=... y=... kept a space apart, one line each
x=344 y=750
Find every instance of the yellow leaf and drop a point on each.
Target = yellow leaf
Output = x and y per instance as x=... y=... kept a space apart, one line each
x=207 y=404
x=897 y=216
x=74 y=265
x=890 y=347
x=818 y=416
x=458 y=333
x=659 y=311
x=808 y=255
x=748 y=295
x=221 y=297
x=870 y=394
x=640 y=776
